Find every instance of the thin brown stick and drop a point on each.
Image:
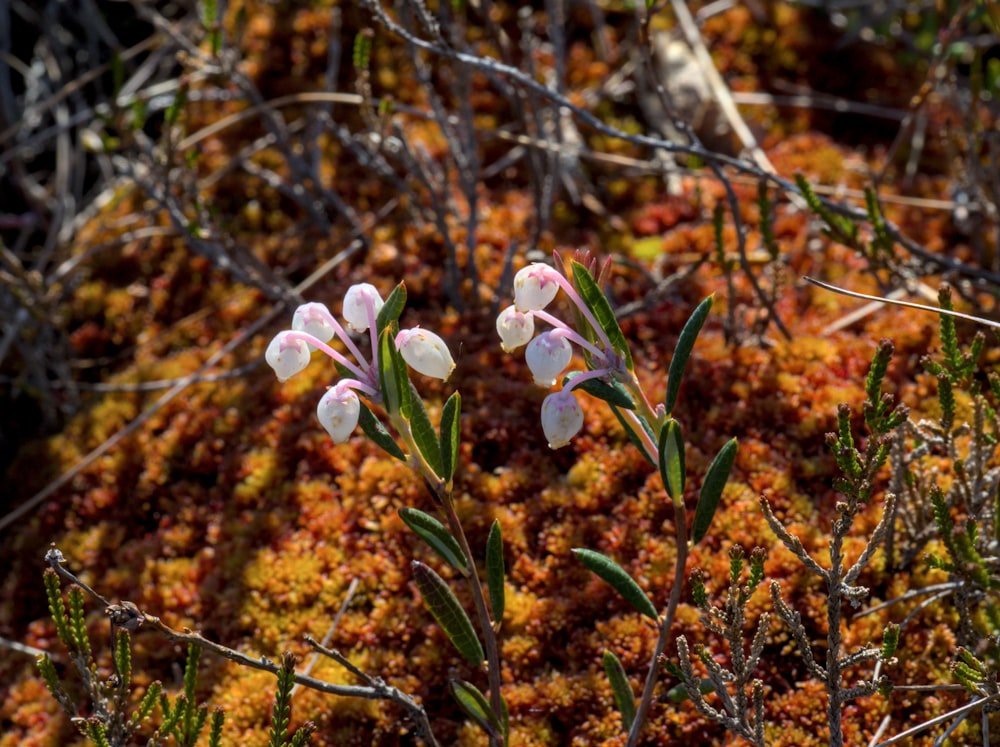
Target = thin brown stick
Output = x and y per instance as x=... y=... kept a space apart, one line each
x=376 y=689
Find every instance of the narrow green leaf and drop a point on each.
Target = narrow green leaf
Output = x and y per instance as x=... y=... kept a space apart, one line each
x=671 y=453
x=630 y=432
x=495 y=570
x=597 y=302
x=450 y=434
x=392 y=308
x=445 y=607
x=437 y=537
x=424 y=435
x=377 y=432
x=685 y=344
x=711 y=490
x=614 y=393
x=620 y=687
x=476 y=706
x=393 y=374
x=614 y=574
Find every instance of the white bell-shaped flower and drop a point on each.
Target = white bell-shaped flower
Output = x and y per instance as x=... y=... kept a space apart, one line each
x=287 y=355
x=338 y=411
x=314 y=319
x=361 y=305
x=535 y=286
x=425 y=353
x=515 y=329
x=547 y=356
x=562 y=418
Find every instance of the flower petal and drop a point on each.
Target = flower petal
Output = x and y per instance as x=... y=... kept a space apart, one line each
x=562 y=418
x=425 y=352
x=338 y=411
x=287 y=355
x=547 y=356
x=515 y=329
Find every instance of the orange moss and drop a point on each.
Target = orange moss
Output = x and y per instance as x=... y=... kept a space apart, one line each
x=231 y=511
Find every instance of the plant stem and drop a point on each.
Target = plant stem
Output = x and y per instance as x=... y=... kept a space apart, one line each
x=666 y=623
x=485 y=621
x=835 y=579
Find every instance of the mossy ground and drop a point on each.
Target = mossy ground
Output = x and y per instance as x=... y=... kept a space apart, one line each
x=231 y=512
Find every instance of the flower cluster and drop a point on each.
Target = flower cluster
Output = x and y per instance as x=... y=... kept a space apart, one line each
x=313 y=326
x=550 y=353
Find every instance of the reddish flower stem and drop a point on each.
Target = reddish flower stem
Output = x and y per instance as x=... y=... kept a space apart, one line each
x=666 y=623
x=485 y=620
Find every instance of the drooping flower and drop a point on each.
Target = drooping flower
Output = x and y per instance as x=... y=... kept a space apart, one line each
x=313 y=326
x=314 y=319
x=515 y=329
x=339 y=409
x=361 y=306
x=562 y=418
x=547 y=356
x=287 y=355
x=425 y=352
x=535 y=286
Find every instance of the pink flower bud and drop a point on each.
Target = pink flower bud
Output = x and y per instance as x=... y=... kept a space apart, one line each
x=338 y=410
x=425 y=353
x=547 y=356
x=535 y=286
x=361 y=306
x=515 y=329
x=562 y=418
x=287 y=355
x=314 y=319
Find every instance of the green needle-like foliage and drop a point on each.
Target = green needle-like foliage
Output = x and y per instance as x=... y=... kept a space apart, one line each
x=765 y=206
x=97 y=733
x=78 y=622
x=281 y=715
x=839 y=228
x=215 y=729
x=123 y=659
x=57 y=608
x=890 y=640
